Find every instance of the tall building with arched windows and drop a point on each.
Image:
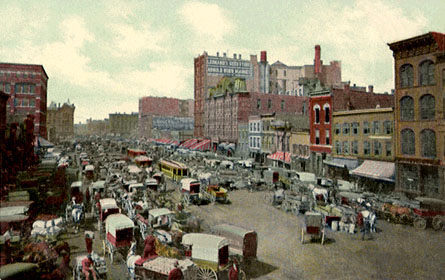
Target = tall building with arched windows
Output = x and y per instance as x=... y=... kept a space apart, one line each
x=420 y=114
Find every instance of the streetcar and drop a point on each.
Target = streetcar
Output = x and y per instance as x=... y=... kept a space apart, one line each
x=173 y=169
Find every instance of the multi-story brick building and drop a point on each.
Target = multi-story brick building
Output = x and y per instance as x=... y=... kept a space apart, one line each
x=3 y=100
x=419 y=64
x=151 y=109
x=210 y=69
x=323 y=102
x=289 y=80
x=123 y=124
x=365 y=136
x=60 y=121
x=230 y=104
x=98 y=127
x=27 y=86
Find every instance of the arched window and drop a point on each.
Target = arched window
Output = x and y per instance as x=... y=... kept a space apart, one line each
x=406 y=75
x=427 y=107
x=426 y=73
x=327 y=116
x=317 y=113
x=408 y=142
x=428 y=142
x=407 y=108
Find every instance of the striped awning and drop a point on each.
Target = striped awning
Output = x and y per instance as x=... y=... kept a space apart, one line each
x=188 y=143
x=380 y=170
x=201 y=146
x=280 y=156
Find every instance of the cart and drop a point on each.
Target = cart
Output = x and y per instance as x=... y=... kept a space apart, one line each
x=313 y=226
x=158 y=219
x=76 y=191
x=430 y=211
x=100 y=266
x=151 y=184
x=119 y=235
x=296 y=203
x=190 y=191
x=107 y=206
x=210 y=253
x=274 y=197
x=216 y=193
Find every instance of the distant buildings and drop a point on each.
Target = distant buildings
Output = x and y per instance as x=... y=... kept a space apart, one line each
x=27 y=86
x=420 y=114
x=60 y=121
x=161 y=117
x=122 y=124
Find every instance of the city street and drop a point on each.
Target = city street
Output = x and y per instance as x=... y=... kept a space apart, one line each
x=395 y=252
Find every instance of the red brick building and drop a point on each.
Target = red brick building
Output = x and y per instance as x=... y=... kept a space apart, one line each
x=150 y=106
x=27 y=86
x=3 y=99
x=324 y=102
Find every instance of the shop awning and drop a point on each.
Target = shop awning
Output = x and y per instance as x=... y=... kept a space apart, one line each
x=342 y=163
x=189 y=143
x=280 y=156
x=379 y=170
x=201 y=146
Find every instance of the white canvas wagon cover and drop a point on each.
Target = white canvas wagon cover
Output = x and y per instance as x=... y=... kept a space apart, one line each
x=185 y=183
x=117 y=222
x=108 y=203
x=205 y=246
x=77 y=184
x=134 y=169
x=159 y=212
x=89 y=167
x=13 y=210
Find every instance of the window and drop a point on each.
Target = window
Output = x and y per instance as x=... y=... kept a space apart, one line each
x=327 y=138
x=366 y=148
x=7 y=88
x=427 y=107
x=33 y=89
x=428 y=142
x=326 y=115
x=346 y=129
x=407 y=108
x=317 y=136
x=365 y=128
x=376 y=127
x=387 y=127
x=355 y=128
x=377 y=148
x=408 y=142
x=25 y=102
x=388 y=149
x=346 y=147
x=337 y=147
x=317 y=113
x=258 y=103
x=337 y=129
x=250 y=128
x=284 y=72
x=304 y=109
x=269 y=104
x=354 y=147
x=426 y=73
x=406 y=75
x=282 y=104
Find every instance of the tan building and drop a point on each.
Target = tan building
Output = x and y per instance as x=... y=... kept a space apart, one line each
x=300 y=142
x=124 y=124
x=98 y=127
x=60 y=121
x=420 y=114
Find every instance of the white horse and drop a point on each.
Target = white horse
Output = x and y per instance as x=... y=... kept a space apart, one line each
x=131 y=260
x=371 y=218
x=319 y=191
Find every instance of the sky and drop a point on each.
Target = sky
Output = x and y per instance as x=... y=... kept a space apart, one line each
x=104 y=55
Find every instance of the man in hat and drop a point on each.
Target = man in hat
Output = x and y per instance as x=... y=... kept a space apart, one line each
x=175 y=273
x=87 y=269
x=234 y=270
x=89 y=236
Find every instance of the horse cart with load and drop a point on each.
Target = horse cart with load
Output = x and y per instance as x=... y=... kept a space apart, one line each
x=119 y=234
x=107 y=206
x=313 y=226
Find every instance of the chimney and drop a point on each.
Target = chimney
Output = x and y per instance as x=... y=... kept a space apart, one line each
x=263 y=56
x=371 y=89
x=217 y=54
x=317 y=62
x=239 y=56
x=234 y=56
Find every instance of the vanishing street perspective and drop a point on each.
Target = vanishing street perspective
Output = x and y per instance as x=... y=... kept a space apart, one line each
x=135 y=145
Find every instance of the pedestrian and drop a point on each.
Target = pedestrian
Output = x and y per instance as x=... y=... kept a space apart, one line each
x=234 y=270
x=89 y=236
x=360 y=224
x=87 y=269
x=175 y=273
x=149 y=247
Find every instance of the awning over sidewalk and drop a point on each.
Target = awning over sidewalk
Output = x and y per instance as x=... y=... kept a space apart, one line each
x=204 y=145
x=379 y=170
x=342 y=163
x=280 y=156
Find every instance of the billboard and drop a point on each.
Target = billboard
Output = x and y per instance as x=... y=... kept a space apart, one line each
x=223 y=66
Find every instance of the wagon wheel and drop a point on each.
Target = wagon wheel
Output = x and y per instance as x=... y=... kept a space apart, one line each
x=302 y=236
x=268 y=198
x=205 y=273
x=420 y=223
x=295 y=211
x=286 y=206
x=439 y=222
x=242 y=275
x=404 y=219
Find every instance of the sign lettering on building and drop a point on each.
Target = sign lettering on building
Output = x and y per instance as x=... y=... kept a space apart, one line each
x=224 y=66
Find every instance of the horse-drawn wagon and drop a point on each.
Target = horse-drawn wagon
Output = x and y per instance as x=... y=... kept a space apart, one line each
x=107 y=206
x=190 y=191
x=118 y=234
x=99 y=266
x=313 y=226
x=430 y=211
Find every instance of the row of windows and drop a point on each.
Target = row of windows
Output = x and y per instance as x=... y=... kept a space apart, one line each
x=427 y=106
x=254 y=126
x=269 y=104
x=254 y=142
x=18 y=74
x=25 y=102
x=317 y=137
x=352 y=148
x=426 y=74
x=354 y=128
x=327 y=116
x=427 y=141
x=5 y=87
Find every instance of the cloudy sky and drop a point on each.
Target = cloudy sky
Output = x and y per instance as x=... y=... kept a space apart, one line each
x=104 y=55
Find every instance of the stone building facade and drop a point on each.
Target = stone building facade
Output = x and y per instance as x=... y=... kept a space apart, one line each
x=60 y=121
x=420 y=114
x=26 y=85
x=123 y=124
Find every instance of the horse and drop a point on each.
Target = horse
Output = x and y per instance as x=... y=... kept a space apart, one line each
x=371 y=218
x=131 y=260
x=319 y=191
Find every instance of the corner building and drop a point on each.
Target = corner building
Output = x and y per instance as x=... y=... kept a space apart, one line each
x=420 y=114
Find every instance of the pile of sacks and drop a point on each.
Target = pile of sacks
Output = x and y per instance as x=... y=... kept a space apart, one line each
x=49 y=228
